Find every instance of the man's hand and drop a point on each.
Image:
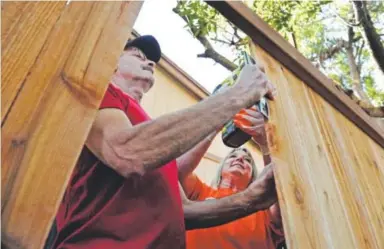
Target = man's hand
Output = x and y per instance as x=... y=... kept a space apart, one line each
x=261 y=193
x=253 y=78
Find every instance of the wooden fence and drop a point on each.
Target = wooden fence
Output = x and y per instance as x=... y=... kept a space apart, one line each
x=331 y=184
x=56 y=62
x=331 y=179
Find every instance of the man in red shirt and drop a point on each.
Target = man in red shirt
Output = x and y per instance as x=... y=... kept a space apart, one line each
x=124 y=191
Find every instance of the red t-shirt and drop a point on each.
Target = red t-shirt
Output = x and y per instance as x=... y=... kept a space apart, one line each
x=102 y=209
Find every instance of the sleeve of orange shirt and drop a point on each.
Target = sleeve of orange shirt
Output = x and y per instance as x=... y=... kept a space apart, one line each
x=194 y=188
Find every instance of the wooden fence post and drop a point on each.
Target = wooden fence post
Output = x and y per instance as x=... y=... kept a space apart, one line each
x=56 y=62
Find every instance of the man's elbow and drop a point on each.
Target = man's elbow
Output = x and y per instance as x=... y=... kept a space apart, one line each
x=124 y=162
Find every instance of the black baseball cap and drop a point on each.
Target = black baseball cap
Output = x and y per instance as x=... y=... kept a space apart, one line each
x=148 y=45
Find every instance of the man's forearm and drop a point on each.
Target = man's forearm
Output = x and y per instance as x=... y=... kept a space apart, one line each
x=151 y=144
x=216 y=212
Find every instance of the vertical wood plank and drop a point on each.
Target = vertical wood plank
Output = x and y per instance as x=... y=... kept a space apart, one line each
x=24 y=29
x=343 y=166
x=296 y=193
x=24 y=115
x=326 y=191
x=50 y=119
x=368 y=177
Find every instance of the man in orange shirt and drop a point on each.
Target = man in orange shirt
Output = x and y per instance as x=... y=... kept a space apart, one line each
x=261 y=230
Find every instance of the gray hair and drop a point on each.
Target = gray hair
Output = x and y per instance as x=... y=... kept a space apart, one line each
x=217 y=179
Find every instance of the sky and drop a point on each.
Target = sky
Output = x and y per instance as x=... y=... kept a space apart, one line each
x=156 y=18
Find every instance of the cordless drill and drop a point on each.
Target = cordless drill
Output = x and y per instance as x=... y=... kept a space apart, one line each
x=233 y=136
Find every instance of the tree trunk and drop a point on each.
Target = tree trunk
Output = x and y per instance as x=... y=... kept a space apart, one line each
x=354 y=71
x=292 y=39
x=355 y=75
x=372 y=38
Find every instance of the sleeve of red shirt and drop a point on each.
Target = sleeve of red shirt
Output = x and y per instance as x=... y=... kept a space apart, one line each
x=112 y=99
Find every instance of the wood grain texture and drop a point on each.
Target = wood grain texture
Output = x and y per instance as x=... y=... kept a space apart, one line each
x=48 y=123
x=331 y=186
x=359 y=173
x=24 y=29
x=268 y=39
x=25 y=112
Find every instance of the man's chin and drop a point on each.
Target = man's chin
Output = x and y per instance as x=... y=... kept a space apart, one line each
x=147 y=77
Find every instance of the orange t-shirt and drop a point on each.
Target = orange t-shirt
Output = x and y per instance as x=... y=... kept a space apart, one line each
x=253 y=231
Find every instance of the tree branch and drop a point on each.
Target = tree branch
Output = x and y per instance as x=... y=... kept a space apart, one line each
x=330 y=52
x=221 y=41
x=349 y=24
x=209 y=52
x=358 y=55
x=369 y=32
x=376 y=112
x=235 y=31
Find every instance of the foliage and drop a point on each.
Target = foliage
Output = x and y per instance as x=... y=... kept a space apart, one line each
x=315 y=27
x=204 y=20
x=372 y=91
x=199 y=16
x=287 y=17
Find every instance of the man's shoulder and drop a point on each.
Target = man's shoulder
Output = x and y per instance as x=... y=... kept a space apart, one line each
x=114 y=98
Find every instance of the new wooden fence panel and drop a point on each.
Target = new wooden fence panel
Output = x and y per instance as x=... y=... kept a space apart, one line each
x=331 y=187
x=344 y=168
x=331 y=192
x=297 y=206
x=25 y=26
x=50 y=116
x=366 y=174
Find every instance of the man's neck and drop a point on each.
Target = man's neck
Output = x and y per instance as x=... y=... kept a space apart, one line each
x=118 y=80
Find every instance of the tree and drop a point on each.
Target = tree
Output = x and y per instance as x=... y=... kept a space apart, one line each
x=332 y=35
x=372 y=38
